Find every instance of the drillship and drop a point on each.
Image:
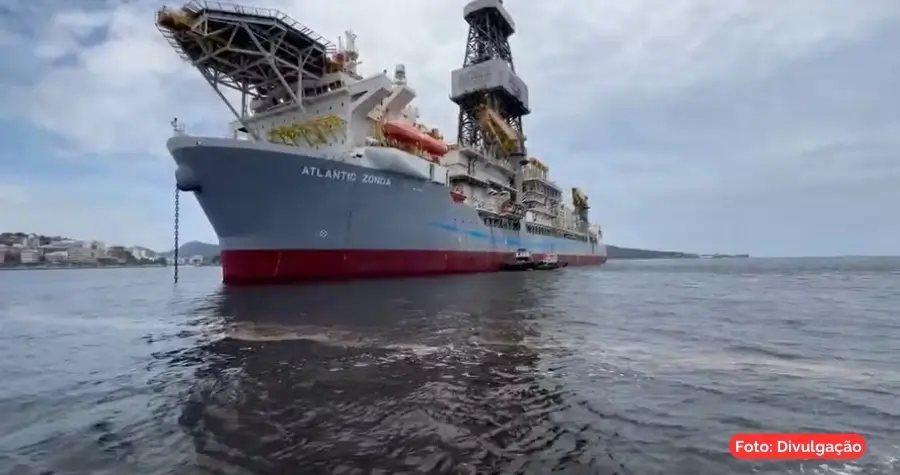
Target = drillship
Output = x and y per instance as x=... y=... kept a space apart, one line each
x=330 y=175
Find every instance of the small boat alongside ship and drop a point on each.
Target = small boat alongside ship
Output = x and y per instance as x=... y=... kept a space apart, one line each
x=524 y=260
x=549 y=262
x=521 y=260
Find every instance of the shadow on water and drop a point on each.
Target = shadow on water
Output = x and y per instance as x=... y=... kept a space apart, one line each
x=413 y=376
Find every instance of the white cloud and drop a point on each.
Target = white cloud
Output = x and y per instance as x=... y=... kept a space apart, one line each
x=67 y=30
x=584 y=61
x=119 y=95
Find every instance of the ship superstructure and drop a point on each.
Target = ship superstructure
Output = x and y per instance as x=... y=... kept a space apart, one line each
x=329 y=174
x=296 y=88
x=489 y=166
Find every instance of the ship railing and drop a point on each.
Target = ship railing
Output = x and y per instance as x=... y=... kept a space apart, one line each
x=501 y=184
x=542 y=223
x=486 y=206
x=543 y=210
x=178 y=128
x=457 y=169
x=567 y=229
x=530 y=172
x=483 y=206
x=538 y=175
x=534 y=196
x=169 y=35
x=504 y=164
x=563 y=223
x=471 y=152
x=479 y=154
x=265 y=13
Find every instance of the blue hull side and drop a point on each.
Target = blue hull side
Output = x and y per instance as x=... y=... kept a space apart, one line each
x=267 y=198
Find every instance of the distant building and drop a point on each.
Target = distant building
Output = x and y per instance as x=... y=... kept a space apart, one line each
x=31 y=241
x=101 y=250
x=140 y=253
x=48 y=248
x=30 y=256
x=56 y=257
x=81 y=255
x=196 y=260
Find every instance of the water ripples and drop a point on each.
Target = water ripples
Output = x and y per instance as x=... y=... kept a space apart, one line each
x=641 y=368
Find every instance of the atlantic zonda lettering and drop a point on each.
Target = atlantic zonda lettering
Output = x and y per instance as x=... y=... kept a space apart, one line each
x=329 y=174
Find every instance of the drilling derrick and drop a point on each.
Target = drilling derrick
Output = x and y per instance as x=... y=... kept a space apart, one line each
x=492 y=99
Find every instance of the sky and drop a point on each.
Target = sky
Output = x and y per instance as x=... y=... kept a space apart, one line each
x=770 y=127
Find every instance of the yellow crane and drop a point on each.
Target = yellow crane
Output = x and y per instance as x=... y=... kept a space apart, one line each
x=579 y=199
x=492 y=123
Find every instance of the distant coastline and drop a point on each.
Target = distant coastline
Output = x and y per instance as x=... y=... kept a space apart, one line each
x=75 y=267
x=115 y=257
x=23 y=251
x=615 y=252
x=24 y=267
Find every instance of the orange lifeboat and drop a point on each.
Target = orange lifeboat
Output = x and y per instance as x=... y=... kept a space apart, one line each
x=408 y=133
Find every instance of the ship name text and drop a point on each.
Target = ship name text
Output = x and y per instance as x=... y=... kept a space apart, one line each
x=340 y=175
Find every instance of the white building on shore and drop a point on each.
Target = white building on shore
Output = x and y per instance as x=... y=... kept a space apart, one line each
x=30 y=256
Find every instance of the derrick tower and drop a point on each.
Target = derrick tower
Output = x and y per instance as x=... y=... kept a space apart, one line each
x=492 y=99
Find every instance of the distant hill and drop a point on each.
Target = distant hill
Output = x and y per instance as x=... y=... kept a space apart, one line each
x=615 y=252
x=194 y=248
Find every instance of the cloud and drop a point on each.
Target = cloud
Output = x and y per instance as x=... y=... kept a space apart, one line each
x=687 y=108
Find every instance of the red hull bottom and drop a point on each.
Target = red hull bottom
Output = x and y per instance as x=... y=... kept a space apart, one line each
x=265 y=266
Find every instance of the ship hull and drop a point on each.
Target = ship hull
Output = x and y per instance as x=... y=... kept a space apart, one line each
x=282 y=216
x=247 y=267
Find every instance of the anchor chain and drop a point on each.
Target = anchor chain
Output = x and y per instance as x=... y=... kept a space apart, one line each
x=175 y=256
